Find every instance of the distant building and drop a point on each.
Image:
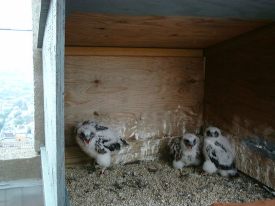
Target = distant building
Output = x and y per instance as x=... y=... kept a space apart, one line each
x=8 y=135
x=21 y=137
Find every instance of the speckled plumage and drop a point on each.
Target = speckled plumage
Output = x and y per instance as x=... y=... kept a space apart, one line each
x=218 y=153
x=185 y=150
x=98 y=142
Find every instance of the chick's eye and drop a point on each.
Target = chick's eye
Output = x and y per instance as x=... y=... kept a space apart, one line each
x=92 y=134
x=216 y=134
x=186 y=142
x=194 y=142
x=82 y=135
x=208 y=133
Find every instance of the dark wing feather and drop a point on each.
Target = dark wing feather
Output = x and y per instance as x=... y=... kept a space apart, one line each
x=124 y=142
x=212 y=155
x=100 y=127
x=86 y=122
x=99 y=147
x=175 y=148
x=215 y=159
x=221 y=146
x=114 y=146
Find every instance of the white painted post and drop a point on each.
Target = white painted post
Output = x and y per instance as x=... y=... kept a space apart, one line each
x=52 y=155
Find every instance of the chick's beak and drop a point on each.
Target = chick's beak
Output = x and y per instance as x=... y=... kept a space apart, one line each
x=86 y=141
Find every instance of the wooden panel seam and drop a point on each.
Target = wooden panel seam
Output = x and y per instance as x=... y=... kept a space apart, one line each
x=119 y=51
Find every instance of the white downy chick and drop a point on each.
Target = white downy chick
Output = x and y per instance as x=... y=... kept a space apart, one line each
x=218 y=153
x=185 y=151
x=98 y=142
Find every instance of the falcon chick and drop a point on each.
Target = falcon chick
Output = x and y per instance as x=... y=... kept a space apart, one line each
x=218 y=153
x=185 y=150
x=98 y=142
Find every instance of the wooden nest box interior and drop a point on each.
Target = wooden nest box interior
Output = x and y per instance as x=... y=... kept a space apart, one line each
x=155 y=68
x=154 y=73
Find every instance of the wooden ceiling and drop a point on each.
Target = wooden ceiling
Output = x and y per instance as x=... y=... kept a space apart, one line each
x=111 y=30
x=175 y=11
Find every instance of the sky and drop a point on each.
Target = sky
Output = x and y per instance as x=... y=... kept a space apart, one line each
x=15 y=44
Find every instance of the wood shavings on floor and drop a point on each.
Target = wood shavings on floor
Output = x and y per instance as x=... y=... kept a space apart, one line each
x=157 y=183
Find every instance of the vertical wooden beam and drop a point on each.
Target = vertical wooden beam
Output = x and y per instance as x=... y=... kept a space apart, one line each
x=53 y=76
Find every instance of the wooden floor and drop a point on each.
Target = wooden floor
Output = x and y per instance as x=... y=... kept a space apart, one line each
x=21 y=193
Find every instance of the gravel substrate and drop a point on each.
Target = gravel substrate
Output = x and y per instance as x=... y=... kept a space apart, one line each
x=157 y=183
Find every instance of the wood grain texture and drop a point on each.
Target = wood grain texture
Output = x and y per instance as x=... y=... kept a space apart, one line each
x=239 y=96
x=102 y=30
x=142 y=96
x=53 y=81
x=116 y=51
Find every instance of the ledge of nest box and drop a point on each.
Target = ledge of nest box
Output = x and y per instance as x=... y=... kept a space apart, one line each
x=257 y=203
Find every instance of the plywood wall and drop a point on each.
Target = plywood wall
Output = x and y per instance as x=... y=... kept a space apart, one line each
x=240 y=98
x=144 y=93
x=157 y=31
